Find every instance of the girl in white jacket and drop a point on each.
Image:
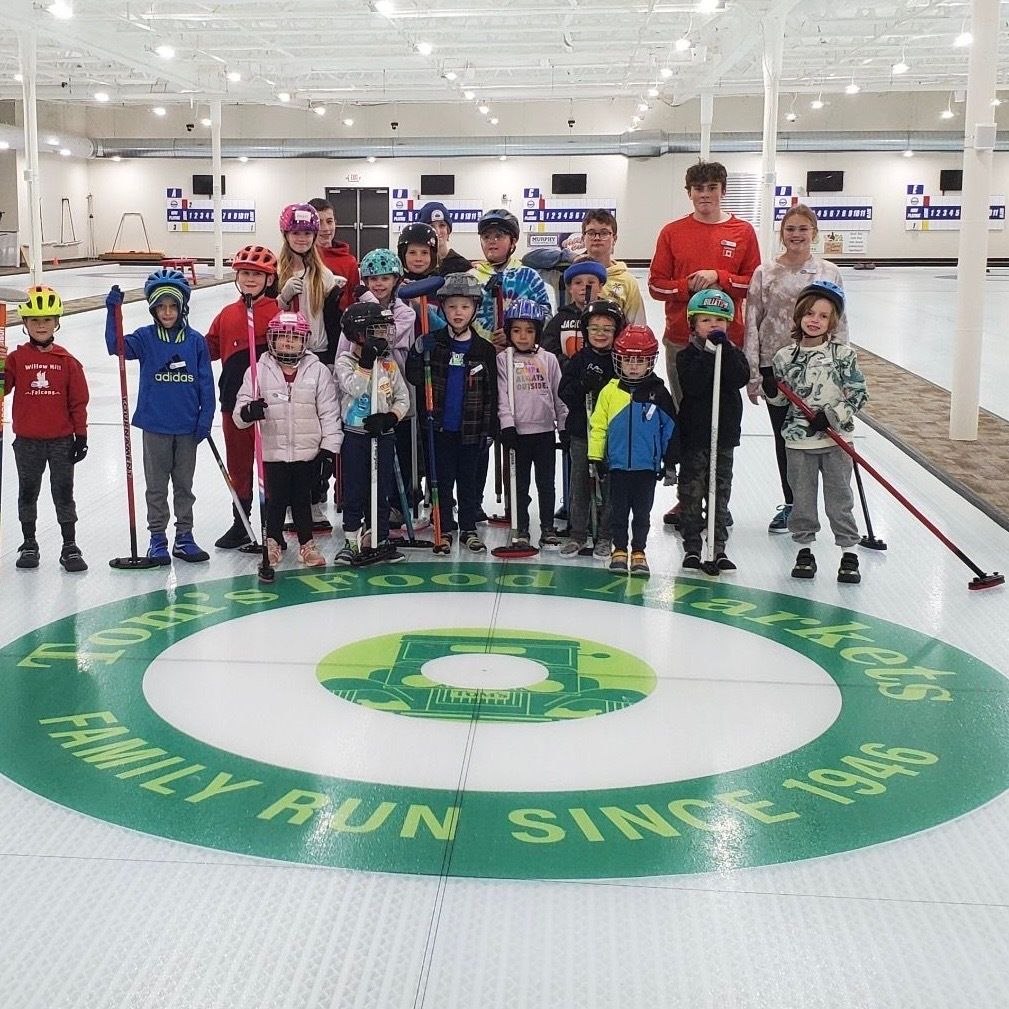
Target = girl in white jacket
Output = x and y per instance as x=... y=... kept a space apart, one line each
x=298 y=413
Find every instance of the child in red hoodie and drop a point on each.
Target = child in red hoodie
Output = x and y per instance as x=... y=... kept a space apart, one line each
x=50 y=418
x=336 y=255
x=228 y=340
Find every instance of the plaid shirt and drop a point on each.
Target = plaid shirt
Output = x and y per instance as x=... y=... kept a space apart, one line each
x=479 y=404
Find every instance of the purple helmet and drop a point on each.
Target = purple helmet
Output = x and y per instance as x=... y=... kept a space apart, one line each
x=299 y=217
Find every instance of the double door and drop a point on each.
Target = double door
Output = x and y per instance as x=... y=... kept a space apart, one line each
x=362 y=217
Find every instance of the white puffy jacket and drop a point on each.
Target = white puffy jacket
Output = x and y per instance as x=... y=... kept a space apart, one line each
x=302 y=416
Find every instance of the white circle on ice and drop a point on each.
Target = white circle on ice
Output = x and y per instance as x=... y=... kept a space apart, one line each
x=484 y=671
x=724 y=699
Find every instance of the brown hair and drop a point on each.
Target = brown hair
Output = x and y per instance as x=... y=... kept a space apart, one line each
x=292 y=265
x=803 y=305
x=600 y=216
x=799 y=210
x=706 y=171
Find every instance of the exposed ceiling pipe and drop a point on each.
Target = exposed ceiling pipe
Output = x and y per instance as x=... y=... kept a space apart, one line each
x=640 y=144
x=79 y=147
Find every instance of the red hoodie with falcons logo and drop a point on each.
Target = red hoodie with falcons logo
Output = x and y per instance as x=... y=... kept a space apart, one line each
x=50 y=392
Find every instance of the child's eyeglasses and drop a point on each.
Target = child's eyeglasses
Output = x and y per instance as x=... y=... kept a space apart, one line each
x=598 y=234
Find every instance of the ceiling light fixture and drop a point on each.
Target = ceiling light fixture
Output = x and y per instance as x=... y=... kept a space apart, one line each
x=653 y=92
x=53 y=141
x=450 y=75
x=681 y=45
x=4 y=145
x=791 y=116
x=283 y=96
x=159 y=110
x=502 y=157
x=372 y=159
x=852 y=89
x=348 y=122
x=643 y=107
x=165 y=52
x=817 y=102
x=244 y=159
x=205 y=121
x=908 y=153
x=469 y=95
x=899 y=68
x=19 y=78
x=709 y=6
x=384 y=7
x=963 y=39
x=115 y=157
x=424 y=48
x=319 y=110
x=635 y=120
x=483 y=109
x=494 y=121
x=65 y=152
x=665 y=73
x=234 y=76
x=101 y=96
x=996 y=102
x=62 y=10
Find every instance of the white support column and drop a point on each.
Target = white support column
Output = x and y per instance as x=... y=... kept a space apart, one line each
x=707 y=115
x=774 y=38
x=215 y=141
x=972 y=254
x=26 y=52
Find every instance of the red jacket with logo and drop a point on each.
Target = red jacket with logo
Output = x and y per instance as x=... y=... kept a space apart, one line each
x=341 y=261
x=52 y=392
x=688 y=245
x=230 y=330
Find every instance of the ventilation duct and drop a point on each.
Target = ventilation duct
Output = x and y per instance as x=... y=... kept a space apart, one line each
x=79 y=147
x=640 y=144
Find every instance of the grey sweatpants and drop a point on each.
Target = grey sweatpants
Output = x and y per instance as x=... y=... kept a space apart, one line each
x=31 y=456
x=580 y=495
x=169 y=457
x=805 y=467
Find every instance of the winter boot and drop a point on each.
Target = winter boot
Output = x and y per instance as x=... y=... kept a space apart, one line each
x=71 y=558
x=237 y=536
x=186 y=548
x=848 y=571
x=28 y=554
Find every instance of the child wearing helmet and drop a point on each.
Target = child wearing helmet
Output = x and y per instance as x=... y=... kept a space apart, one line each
x=438 y=216
x=825 y=374
x=502 y=269
x=562 y=335
x=50 y=420
x=528 y=429
x=299 y=420
x=709 y=313
x=633 y=437
x=255 y=269
x=464 y=387
x=371 y=330
x=175 y=407
x=417 y=248
x=583 y=377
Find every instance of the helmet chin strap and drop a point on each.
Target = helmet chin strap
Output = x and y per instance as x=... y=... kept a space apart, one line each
x=42 y=344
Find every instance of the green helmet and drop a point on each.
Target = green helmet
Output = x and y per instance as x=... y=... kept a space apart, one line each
x=381 y=262
x=712 y=302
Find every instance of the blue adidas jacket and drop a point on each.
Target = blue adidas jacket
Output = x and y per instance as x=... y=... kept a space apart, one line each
x=176 y=382
x=633 y=427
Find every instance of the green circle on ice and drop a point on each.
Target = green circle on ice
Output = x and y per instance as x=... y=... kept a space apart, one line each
x=250 y=719
x=578 y=678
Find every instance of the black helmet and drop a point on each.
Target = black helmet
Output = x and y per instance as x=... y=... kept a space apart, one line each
x=366 y=320
x=602 y=307
x=500 y=218
x=418 y=234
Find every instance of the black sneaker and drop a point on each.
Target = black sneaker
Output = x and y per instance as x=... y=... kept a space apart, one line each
x=805 y=564
x=28 y=555
x=692 y=560
x=71 y=558
x=848 y=572
x=723 y=563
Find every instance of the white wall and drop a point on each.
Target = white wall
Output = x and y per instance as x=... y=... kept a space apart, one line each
x=60 y=177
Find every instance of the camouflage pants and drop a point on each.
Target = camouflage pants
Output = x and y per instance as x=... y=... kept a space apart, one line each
x=693 y=492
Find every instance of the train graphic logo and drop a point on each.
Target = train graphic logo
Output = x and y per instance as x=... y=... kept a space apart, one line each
x=582 y=678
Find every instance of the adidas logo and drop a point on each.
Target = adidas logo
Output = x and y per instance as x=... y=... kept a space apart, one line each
x=174 y=371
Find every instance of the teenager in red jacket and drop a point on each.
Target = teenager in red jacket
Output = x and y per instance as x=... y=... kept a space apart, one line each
x=336 y=255
x=228 y=341
x=50 y=420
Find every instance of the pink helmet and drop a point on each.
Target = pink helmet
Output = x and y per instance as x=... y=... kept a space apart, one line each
x=299 y=217
x=288 y=324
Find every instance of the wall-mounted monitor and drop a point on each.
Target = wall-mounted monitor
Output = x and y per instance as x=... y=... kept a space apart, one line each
x=203 y=185
x=951 y=180
x=437 y=185
x=569 y=185
x=824 y=182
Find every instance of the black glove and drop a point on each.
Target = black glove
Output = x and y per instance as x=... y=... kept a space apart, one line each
x=367 y=358
x=378 y=423
x=509 y=438
x=251 y=412
x=818 y=422
x=493 y=282
x=360 y=291
x=601 y=465
x=325 y=455
x=770 y=385
x=80 y=448
x=593 y=378
x=565 y=440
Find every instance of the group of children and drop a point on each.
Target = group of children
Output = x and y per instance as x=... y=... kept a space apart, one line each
x=309 y=379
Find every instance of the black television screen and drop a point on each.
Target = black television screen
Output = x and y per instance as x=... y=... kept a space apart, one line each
x=569 y=185
x=437 y=185
x=824 y=182
x=203 y=185
x=950 y=180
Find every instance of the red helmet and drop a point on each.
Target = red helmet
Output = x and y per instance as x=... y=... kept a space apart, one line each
x=635 y=342
x=257 y=258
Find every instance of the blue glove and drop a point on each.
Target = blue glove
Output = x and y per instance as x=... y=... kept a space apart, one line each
x=202 y=434
x=428 y=343
x=717 y=337
x=114 y=297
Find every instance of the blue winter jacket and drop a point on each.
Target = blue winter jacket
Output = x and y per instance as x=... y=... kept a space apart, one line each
x=633 y=427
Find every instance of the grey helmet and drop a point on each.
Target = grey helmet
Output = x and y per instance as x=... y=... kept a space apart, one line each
x=461 y=285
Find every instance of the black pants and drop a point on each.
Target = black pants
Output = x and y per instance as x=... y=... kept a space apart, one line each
x=31 y=456
x=631 y=490
x=458 y=468
x=778 y=415
x=356 y=456
x=536 y=450
x=289 y=485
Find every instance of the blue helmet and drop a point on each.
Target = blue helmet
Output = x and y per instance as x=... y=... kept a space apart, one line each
x=530 y=311
x=167 y=283
x=826 y=289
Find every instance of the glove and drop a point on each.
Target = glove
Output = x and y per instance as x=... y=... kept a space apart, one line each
x=290 y=290
x=427 y=343
x=818 y=422
x=80 y=448
x=378 y=423
x=770 y=385
x=359 y=292
x=326 y=455
x=713 y=339
x=601 y=465
x=251 y=412
x=113 y=298
x=565 y=440
x=509 y=438
x=202 y=434
x=367 y=358
x=593 y=378
x=493 y=282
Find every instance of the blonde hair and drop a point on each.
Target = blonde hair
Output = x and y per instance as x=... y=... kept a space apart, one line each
x=803 y=305
x=799 y=210
x=292 y=265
